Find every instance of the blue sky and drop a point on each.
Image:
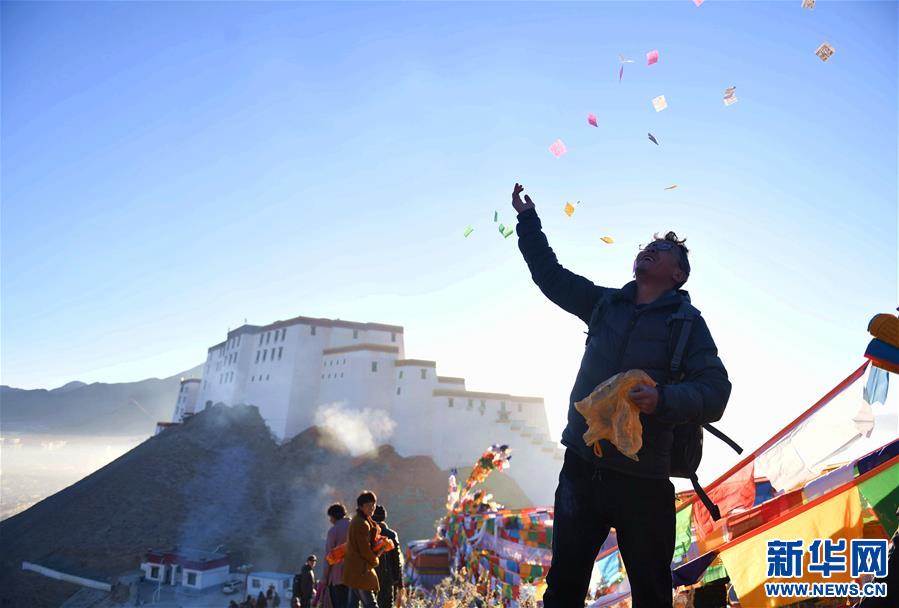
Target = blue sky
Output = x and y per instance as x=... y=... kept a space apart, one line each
x=170 y=169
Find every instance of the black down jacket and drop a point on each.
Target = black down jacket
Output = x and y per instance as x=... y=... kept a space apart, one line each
x=623 y=337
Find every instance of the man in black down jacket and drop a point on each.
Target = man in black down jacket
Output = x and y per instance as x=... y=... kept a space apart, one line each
x=631 y=331
x=304 y=584
x=390 y=568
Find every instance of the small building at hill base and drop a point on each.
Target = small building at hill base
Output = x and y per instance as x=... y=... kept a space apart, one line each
x=191 y=568
x=260 y=581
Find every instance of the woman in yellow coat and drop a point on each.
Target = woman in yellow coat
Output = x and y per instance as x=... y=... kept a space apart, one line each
x=360 y=561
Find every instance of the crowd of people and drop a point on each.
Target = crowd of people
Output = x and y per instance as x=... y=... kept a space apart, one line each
x=269 y=599
x=367 y=575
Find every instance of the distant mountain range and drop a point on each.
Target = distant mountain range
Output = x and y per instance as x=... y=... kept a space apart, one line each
x=218 y=479
x=127 y=408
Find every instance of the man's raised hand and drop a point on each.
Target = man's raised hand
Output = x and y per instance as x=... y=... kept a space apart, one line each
x=516 y=199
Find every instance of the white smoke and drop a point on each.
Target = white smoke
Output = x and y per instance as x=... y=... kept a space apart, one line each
x=354 y=431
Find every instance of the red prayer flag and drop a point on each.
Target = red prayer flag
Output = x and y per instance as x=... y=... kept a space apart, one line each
x=737 y=491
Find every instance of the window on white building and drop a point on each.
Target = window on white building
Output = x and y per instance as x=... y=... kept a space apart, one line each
x=266 y=376
x=192 y=579
x=344 y=361
x=313 y=329
x=264 y=352
x=451 y=402
x=424 y=373
x=397 y=390
x=470 y=404
x=261 y=338
x=341 y=374
x=280 y=349
x=154 y=571
x=268 y=337
x=257 y=583
x=401 y=374
x=253 y=379
x=238 y=340
x=355 y=334
x=374 y=366
x=258 y=352
x=393 y=337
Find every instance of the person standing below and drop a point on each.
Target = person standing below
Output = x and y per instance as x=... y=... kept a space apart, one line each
x=361 y=560
x=304 y=584
x=628 y=328
x=333 y=575
x=390 y=568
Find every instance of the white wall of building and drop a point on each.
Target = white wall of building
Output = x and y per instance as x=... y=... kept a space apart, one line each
x=205 y=578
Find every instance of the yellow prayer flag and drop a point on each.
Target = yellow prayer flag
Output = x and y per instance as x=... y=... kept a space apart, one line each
x=839 y=517
x=607 y=239
x=569 y=209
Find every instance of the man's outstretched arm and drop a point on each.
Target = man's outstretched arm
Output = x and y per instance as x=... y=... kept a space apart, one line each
x=569 y=291
x=703 y=394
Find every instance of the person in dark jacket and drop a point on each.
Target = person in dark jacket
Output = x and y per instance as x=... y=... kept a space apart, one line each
x=261 y=601
x=390 y=567
x=304 y=584
x=630 y=330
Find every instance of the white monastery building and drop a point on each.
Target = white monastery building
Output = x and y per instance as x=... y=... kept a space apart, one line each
x=289 y=369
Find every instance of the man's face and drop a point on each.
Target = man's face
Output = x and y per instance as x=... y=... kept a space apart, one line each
x=660 y=260
x=311 y=563
x=368 y=508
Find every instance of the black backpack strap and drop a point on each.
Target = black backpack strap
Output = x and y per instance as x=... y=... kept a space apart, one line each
x=686 y=313
x=714 y=511
x=733 y=444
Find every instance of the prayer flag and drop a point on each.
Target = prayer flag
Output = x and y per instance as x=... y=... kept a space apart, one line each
x=839 y=517
x=801 y=455
x=882 y=493
x=737 y=491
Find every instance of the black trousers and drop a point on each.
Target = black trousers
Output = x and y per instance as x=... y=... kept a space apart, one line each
x=386 y=596
x=588 y=503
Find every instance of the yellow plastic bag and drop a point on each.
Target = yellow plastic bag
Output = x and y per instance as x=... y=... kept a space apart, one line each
x=611 y=415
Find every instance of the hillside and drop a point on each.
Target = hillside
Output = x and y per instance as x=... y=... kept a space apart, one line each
x=126 y=408
x=219 y=479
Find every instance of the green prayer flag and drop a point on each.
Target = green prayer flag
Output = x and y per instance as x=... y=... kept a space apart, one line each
x=882 y=493
x=714 y=572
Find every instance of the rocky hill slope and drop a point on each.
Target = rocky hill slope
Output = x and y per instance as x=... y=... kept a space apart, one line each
x=219 y=479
